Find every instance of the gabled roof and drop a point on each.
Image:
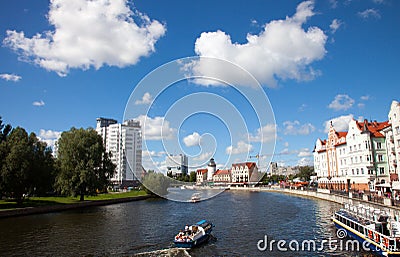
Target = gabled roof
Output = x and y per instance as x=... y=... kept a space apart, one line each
x=222 y=172
x=373 y=127
x=249 y=165
x=202 y=171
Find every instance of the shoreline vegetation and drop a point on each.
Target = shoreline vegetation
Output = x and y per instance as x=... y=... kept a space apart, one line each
x=38 y=205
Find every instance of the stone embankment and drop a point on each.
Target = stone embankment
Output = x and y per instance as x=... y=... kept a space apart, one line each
x=324 y=194
x=65 y=207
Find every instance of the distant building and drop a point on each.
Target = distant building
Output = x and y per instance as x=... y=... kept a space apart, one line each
x=244 y=172
x=124 y=141
x=211 y=168
x=240 y=173
x=283 y=170
x=222 y=176
x=201 y=176
x=177 y=165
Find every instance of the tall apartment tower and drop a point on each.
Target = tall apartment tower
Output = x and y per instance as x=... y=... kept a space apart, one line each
x=124 y=141
x=177 y=164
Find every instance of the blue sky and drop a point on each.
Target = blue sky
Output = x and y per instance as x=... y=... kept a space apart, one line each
x=65 y=63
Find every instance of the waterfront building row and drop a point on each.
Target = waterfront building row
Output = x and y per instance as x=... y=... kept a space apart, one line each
x=363 y=158
x=239 y=173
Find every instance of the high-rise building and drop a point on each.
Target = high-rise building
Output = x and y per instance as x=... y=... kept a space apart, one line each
x=177 y=164
x=124 y=142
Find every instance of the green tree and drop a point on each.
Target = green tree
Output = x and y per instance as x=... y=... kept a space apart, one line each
x=43 y=171
x=16 y=165
x=156 y=183
x=26 y=164
x=305 y=172
x=4 y=130
x=84 y=165
x=192 y=176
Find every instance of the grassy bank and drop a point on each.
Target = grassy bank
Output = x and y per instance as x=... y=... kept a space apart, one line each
x=49 y=201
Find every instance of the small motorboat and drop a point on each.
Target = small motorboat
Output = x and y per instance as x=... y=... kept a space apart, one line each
x=194 y=235
x=196 y=197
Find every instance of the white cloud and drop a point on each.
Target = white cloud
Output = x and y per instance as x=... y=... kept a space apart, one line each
x=333 y=3
x=241 y=147
x=335 y=25
x=192 y=140
x=283 y=50
x=10 y=77
x=49 y=136
x=305 y=152
x=203 y=156
x=365 y=97
x=88 y=34
x=369 y=13
x=264 y=134
x=302 y=107
x=295 y=128
x=305 y=162
x=361 y=105
x=38 y=103
x=341 y=102
x=340 y=123
x=156 y=128
x=378 y=1
x=146 y=99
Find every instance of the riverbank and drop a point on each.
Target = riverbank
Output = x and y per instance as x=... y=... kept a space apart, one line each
x=325 y=195
x=70 y=205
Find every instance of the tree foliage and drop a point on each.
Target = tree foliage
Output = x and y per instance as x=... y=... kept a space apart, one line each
x=26 y=165
x=156 y=183
x=192 y=176
x=85 y=166
x=305 y=172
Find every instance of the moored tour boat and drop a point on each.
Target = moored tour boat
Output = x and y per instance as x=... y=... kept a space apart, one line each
x=372 y=227
x=194 y=235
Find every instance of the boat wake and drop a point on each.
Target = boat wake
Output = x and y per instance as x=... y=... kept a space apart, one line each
x=169 y=252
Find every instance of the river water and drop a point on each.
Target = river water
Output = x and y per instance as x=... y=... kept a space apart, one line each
x=242 y=219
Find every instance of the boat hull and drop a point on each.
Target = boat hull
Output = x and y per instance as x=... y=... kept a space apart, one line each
x=365 y=242
x=192 y=244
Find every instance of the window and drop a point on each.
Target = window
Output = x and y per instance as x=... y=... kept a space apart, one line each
x=380 y=157
x=355 y=147
x=382 y=170
x=351 y=149
x=378 y=145
x=360 y=158
x=362 y=171
x=352 y=171
x=358 y=172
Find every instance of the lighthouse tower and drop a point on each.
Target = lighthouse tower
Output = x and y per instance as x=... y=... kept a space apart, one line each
x=211 y=168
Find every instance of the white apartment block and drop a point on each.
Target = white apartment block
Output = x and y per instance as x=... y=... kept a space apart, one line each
x=356 y=159
x=177 y=164
x=124 y=141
